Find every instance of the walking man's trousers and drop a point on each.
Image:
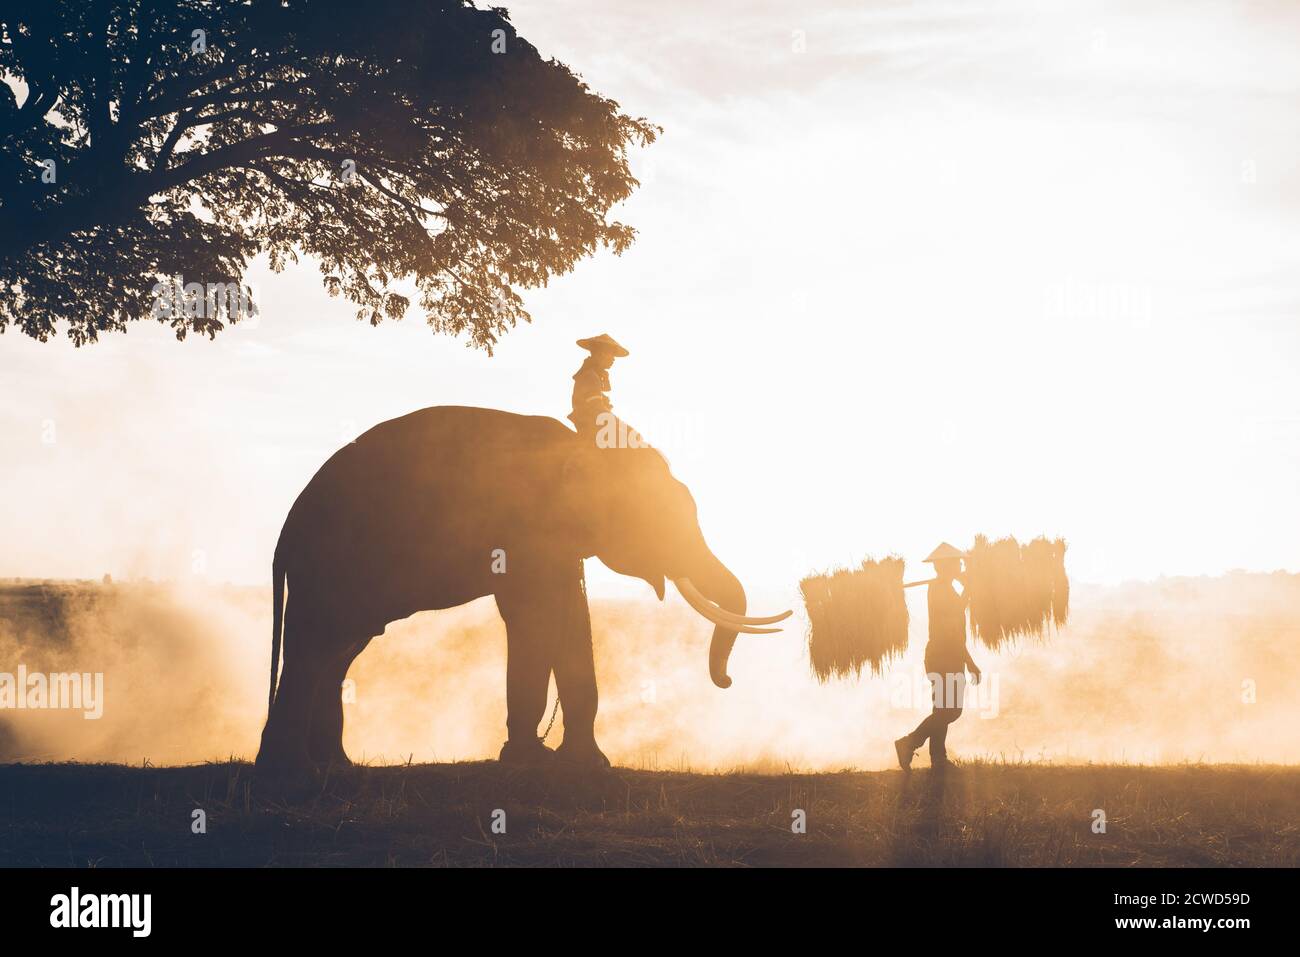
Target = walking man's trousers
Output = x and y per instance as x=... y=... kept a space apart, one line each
x=948 y=690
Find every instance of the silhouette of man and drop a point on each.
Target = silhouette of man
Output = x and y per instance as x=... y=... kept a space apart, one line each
x=946 y=660
x=591 y=383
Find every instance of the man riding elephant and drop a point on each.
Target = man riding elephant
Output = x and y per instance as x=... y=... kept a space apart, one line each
x=593 y=413
x=591 y=383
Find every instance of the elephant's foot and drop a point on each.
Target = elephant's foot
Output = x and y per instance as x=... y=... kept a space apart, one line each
x=285 y=775
x=284 y=765
x=527 y=752
x=338 y=762
x=582 y=755
x=334 y=758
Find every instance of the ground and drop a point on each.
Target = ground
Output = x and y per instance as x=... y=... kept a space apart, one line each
x=71 y=815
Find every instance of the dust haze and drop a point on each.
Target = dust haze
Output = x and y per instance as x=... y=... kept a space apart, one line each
x=1185 y=669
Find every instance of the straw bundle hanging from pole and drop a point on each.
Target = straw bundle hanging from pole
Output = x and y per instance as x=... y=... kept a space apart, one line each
x=856 y=617
x=1016 y=590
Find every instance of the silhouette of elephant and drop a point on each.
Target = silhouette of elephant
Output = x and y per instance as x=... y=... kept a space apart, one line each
x=449 y=504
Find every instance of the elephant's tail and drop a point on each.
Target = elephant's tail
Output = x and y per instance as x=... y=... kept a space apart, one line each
x=277 y=622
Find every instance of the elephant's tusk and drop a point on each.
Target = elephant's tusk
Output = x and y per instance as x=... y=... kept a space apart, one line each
x=744 y=620
x=700 y=604
x=710 y=613
x=689 y=591
x=720 y=616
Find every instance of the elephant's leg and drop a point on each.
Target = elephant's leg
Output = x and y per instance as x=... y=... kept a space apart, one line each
x=284 y=740
x=325 y=741
x=548 y=627
x=529 y=639
x=575 y=677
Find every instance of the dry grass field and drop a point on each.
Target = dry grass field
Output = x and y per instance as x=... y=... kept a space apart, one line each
x=69 y=815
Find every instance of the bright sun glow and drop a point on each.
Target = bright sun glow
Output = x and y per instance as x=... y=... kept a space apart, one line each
x=907 y=285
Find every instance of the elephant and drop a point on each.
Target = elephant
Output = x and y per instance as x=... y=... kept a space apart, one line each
x=449 y=504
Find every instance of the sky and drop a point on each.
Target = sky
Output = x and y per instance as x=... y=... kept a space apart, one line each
x=904 y=273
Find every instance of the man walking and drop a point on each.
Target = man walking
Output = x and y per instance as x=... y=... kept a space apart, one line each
x=946 y=661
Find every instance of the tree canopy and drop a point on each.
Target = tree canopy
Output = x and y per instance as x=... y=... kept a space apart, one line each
x=395 y=141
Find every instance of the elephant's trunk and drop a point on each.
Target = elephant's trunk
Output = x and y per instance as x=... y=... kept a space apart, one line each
x=720 y=586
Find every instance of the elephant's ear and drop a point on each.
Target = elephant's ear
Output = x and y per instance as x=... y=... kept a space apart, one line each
x=657 y=583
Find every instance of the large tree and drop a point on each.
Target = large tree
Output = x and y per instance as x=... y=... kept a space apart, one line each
x=391 y=140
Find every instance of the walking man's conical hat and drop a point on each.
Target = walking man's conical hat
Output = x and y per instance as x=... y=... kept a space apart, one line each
x=603 y=343
x=944 y=551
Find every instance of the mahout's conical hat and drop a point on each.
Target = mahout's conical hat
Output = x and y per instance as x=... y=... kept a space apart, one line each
x=603 y=343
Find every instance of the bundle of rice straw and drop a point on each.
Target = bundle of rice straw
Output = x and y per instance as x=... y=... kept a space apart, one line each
x=1016 y=590
x=856 y=616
